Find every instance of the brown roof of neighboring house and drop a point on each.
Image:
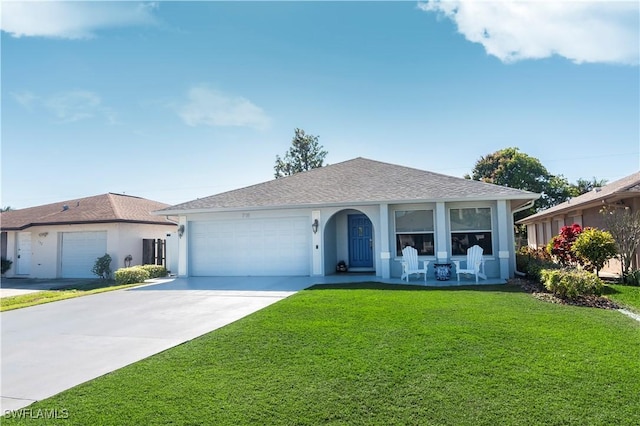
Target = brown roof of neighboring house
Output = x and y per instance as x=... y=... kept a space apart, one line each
x=622 y=188
x=97 y=209
x=358 y=181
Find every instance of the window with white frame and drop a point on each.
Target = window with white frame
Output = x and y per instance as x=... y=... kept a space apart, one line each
x=470 y=227
x=414 y=228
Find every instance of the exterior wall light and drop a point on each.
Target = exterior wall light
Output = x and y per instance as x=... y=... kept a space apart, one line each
x=314 y=226
x=180 y=231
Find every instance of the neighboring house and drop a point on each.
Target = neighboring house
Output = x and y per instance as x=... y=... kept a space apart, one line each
x=63 y=240
x=585 y=211
x=360 y=211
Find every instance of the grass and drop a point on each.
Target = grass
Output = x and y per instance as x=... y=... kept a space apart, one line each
x=46 y=296
x=624 y=295
x=369 y=355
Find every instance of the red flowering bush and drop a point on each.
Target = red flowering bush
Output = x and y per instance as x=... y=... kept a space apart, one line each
x=560 y=246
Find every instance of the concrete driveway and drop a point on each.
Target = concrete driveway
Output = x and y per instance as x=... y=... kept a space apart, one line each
x=52 y=347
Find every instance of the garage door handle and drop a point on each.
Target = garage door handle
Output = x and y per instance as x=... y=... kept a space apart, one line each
x=18 y=256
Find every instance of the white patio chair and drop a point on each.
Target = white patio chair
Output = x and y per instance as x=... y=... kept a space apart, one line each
x=475 y=264
x=410 y=264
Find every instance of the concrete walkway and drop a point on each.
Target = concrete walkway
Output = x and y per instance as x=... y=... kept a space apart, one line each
x=52 y=347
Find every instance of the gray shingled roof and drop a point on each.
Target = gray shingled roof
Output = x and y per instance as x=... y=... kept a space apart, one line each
x=624 y=186
x=97 y=209
x=357 y=181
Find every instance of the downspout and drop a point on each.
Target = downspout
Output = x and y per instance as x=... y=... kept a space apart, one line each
x=519 y=209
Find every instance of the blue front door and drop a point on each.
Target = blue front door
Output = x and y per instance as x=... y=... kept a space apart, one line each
x=360 y=241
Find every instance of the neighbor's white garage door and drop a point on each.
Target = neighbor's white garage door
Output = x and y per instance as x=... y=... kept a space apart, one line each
x=80 y=251
x=267 y=247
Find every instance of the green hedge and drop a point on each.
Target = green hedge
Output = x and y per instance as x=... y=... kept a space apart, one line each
x=132 y=275
x=633 y=278
x=571 y=283
x=155 y=271
x=533 y=261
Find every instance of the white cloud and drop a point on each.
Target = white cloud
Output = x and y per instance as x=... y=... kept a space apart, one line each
x=581 y=31
x=26 y=98
x=71 y=20
x=67 y=107
x=73 y=106
x=212 y=108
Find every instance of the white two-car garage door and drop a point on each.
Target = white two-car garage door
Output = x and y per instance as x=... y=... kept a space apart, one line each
x=80 y=251
x=257 y=247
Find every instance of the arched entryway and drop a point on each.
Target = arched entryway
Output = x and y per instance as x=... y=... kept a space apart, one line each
x=349 y=236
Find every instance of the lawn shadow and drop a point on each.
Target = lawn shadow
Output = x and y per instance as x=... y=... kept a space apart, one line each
x=55 y=283
x=609 y=290
x=372 y=285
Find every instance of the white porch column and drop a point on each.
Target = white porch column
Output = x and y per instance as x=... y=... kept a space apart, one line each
x=441 y=233
x=504 y=255
x=316 y=240
x=183 y=252
x=385 y=253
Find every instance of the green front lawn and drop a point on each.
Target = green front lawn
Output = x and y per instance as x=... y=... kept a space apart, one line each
x=410 y=356
x=624 y=295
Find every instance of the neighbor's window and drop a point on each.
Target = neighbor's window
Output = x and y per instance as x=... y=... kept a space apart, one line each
x=470 y=227
x=414 y=228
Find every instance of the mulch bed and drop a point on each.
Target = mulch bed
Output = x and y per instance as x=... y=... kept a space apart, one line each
x=539 y=292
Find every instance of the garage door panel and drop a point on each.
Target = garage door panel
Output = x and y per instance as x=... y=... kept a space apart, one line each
x=249 y=247
x=80 y=251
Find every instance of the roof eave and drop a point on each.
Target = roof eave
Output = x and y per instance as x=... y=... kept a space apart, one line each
x=566 y=208
x=184 y=212
x=34 y=224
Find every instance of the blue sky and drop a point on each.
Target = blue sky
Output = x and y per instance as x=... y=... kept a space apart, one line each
x=174 y=101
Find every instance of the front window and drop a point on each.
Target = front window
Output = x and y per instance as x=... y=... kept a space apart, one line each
x=470 y=227
x=415 y=228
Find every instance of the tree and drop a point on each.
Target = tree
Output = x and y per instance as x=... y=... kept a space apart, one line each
x=558 y=190
x=512 y=168
x=305 y=154
x=6 y=209
x=624 y=226
x=594 y=248
x=582 y=186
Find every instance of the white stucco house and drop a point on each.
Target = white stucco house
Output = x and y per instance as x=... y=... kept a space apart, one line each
x=359 y=211
x=64 y=239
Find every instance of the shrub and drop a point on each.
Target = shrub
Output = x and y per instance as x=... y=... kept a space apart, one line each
x=560 y=245
x=536 y=266
x=102 y=267
x=6 y=265
x=531 y=261
x=155 y=271
x=571 y=283
x=132 y=275
x=594 y=248
x=632 y=278
x=537 y=253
